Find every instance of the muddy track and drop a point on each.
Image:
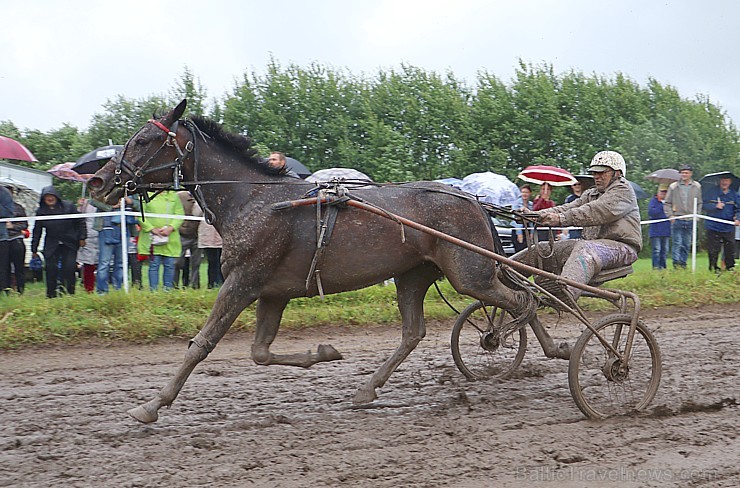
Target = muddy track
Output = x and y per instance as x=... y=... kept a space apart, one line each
x=63 y=421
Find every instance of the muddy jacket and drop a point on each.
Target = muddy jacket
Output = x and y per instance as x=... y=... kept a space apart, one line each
x=610 y=215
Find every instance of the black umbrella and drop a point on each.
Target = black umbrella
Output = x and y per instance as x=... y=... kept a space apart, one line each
x=297 y=167
x=586 y=181
x=713 y=180
x=639 y=192
x=91 y=162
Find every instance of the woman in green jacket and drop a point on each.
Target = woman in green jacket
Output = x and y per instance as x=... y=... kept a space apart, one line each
x=159 y=238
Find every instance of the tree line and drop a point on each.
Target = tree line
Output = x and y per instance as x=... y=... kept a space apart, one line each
x=408 y=123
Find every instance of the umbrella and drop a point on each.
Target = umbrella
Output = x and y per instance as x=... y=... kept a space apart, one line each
x=12 y=149
x=547 y=174
x=23 y=195
x=493 y=188
x=91 y=162
x=342 y=174
x=639 y=192
x=664 y=176
x=64 y=171
x=454 y=182
x=587 y=181
x=712 y=179
x=297 y=167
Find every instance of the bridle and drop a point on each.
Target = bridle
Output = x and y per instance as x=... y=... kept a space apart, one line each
x=137 y=173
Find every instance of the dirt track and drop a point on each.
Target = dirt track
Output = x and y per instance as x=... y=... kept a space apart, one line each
x=63 y=421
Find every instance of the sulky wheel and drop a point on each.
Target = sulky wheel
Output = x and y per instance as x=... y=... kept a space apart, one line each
x=600 y=383
x=478 y=349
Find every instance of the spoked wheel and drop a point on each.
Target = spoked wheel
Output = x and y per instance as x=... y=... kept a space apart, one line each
x=600 y=383
x=477 y=347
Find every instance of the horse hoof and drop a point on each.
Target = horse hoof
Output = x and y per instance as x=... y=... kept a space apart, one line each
x=143 y=414
x=327 y=352
x=563 y=350
x=363 y=397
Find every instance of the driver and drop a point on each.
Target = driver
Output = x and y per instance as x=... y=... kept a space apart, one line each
x=610 y=219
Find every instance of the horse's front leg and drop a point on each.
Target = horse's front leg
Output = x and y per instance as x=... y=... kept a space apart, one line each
x=231 y=300
x=269 y=313
x=411 y=287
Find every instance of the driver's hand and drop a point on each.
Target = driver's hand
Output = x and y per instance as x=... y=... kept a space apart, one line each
x=550 y=219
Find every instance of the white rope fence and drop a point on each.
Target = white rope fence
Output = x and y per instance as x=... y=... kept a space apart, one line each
x=122 y=213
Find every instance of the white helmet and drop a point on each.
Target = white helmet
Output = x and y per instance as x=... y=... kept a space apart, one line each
x=608 y=159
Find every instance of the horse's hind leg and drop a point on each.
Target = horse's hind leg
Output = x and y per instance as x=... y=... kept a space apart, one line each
x=411 y=288
x=229 y=304
x=269 y=313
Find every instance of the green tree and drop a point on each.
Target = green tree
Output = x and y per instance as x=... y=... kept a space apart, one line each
x=121 y=118
x=188 y=86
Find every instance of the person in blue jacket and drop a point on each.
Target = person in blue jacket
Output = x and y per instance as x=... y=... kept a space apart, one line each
x=660 y=232
x=721 y=202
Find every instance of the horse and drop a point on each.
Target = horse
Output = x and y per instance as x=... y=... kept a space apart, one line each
x=268 y=254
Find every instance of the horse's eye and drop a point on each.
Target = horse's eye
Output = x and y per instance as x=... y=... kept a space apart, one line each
x=140 y=141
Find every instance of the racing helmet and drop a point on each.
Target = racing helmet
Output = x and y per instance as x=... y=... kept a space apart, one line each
x=608 y=159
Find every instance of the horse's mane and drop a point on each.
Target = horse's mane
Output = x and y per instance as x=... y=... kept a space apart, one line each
x=240 y=145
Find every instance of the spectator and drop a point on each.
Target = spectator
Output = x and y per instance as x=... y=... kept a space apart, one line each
x=110 y=256
x=210 y=241
x=7 y=209
x=16 y=247
x=721 y=202
x=520 y=242
x=63 y=238
x=679 y=200
x=160 y=239
x=278 y=162
x=660 y=232
x=189 y=239
x=88 y=256
x=542 y=202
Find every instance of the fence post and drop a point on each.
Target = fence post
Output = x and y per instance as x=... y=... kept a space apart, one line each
x=693 y=237
x=124 y=243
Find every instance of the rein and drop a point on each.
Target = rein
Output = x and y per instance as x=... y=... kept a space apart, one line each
x=191 y=148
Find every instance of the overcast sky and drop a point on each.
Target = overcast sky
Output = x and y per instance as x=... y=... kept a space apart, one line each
x=61 y=60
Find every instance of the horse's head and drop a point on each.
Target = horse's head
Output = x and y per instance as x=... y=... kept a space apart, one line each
x=153 y=155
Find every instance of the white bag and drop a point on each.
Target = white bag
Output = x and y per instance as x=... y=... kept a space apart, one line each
x=158 y=240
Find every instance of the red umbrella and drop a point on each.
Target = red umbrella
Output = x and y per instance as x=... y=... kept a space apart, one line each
x=547 y=174
x=65 y=172
x=12 y=149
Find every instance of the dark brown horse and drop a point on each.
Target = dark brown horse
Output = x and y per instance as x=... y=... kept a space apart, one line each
x=268 y=253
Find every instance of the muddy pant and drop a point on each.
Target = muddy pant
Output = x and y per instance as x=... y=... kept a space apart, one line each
x=580 y=260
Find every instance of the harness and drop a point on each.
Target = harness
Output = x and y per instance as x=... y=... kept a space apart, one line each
x=324 y=230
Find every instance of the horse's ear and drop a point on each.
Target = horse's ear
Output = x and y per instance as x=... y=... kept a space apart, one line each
x=176 y=112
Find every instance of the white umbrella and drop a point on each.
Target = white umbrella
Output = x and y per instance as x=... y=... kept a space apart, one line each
x=348 y=175
x=493 y=188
